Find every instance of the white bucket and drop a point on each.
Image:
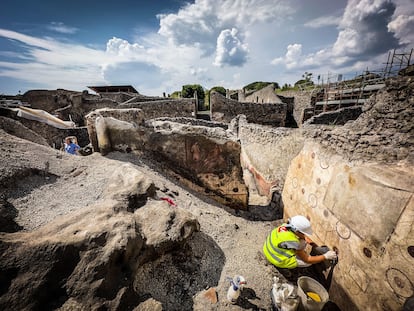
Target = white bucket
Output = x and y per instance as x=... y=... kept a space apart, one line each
x=307 y=284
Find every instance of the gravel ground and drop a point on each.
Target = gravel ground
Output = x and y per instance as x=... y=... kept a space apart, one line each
x=54 y=184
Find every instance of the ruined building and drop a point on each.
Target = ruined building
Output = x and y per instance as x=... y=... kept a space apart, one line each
x=354 y=179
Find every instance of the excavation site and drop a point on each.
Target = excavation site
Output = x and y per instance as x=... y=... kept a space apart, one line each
x=164 y=204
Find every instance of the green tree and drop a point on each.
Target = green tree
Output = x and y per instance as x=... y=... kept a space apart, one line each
x=258 y=85
x=176 y=94
x=218 y=89
x=189 y=90
x=286 y=87
x=307 y=80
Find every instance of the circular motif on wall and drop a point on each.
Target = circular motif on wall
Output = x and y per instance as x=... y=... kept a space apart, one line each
x=294 y=182
x=399 y=282
x=343 y=231
x=324 y=161
x=410 y=250
x=312 y=200
x=367 y=252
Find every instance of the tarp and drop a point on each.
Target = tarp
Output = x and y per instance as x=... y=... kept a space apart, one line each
x=44 y=117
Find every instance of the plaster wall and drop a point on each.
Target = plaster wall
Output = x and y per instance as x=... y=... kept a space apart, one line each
x=266 y=95
x=266 y=153
x=364 y=210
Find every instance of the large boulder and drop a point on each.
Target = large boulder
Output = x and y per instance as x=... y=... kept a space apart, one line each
x=89 y=258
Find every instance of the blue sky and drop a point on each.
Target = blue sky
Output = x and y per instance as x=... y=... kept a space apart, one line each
x=160 y=45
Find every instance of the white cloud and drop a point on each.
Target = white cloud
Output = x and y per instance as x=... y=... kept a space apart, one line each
x=365 y=33
x=54 y=63
x=230 y=49
x=240 y=37
x=292 y=58
x=363 y=29
x=123 y=49
x=323 y=21
x=202 y=22
x=403 y=27
x=62 y=28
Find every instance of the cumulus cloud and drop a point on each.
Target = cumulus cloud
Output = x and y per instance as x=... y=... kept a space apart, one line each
x=62 y=28
x=202 y=22
x=366 y=31
x=403 y=27
x=230 y=49
x=123 y=48
x=292 y=57
x=188 y=42
x=237 y=36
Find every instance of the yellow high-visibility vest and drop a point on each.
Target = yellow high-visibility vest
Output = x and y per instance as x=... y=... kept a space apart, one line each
x=280 y=257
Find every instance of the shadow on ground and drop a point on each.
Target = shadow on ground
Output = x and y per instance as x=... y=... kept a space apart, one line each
x=181 y=274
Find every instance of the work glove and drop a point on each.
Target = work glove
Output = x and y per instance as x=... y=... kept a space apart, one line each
x=330 y=255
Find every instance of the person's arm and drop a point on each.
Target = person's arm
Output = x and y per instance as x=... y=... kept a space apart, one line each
x=329 y=255
x=308 y=258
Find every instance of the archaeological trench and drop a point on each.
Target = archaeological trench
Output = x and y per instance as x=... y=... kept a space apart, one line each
x=353 y=178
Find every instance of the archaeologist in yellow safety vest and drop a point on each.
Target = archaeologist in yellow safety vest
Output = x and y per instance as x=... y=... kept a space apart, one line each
x=285 y=245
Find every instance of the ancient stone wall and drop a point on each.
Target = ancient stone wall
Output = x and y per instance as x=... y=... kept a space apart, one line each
x=48 y=100
x=224 y=110
x=133 y=116
x=302 y=99
x=118 y=97
x=337 y=117
x=384 y=132
x=266 y=95
x=184 y=107
x=66 y=105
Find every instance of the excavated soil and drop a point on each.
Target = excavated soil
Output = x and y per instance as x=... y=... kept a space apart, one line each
x=42 y=184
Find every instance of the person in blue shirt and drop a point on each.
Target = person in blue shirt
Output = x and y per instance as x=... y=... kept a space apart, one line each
x=71 y=147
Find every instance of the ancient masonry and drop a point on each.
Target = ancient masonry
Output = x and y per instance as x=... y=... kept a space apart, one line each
x=349 y=170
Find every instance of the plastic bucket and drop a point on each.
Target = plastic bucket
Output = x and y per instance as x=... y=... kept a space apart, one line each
x=306 y=285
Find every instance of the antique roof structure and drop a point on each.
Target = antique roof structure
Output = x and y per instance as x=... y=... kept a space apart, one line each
x=113 y=89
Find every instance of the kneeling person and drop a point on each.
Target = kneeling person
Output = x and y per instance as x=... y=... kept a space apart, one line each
x=285 y=245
